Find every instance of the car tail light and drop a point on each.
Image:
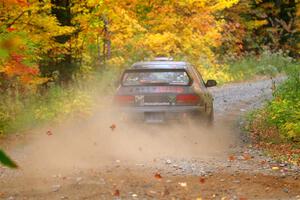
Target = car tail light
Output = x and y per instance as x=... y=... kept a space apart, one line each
x=124 y=99
x=187 y=99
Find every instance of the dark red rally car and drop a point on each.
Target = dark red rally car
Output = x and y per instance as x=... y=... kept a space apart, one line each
x=161 y=90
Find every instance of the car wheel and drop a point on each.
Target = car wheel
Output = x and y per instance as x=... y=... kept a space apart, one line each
x=210 y=118
x=202 y=119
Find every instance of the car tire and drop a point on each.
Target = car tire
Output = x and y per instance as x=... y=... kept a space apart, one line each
x=210 y=118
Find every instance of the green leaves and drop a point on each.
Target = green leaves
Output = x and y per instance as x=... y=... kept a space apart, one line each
x=5 y=160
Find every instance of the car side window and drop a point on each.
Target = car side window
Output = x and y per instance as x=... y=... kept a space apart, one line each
x=199 y=77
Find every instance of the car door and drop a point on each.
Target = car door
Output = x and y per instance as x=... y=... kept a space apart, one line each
x=208 y=99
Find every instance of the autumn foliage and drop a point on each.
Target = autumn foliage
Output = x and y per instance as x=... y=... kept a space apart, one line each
x=62 y=36
x=52 y=43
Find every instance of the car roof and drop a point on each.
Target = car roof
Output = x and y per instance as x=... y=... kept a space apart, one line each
x=160 y=65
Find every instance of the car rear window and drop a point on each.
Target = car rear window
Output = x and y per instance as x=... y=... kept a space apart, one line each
x=171 y=77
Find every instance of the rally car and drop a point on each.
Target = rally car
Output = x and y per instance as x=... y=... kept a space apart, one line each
x=161 y=90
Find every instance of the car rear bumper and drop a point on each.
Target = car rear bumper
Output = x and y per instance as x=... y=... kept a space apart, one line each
x=167 y=113
x=165 y=109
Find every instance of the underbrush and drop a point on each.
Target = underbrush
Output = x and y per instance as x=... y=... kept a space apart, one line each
x=276 y=127
x=56 y=103
x=17 y=114
x=250 y=66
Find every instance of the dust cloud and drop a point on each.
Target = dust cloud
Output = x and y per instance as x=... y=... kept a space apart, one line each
x=93 y=143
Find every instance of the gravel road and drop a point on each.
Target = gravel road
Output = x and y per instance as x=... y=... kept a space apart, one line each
x=90 y=160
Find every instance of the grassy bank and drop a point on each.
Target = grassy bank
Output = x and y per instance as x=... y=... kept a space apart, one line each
x=55 y=104
x=276 y=127
x=249 y=67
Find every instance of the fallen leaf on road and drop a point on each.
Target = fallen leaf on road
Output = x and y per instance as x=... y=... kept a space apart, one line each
x=49 y=132
x=275 y=168
x=182 y=184
x=247 y=157
x=267 y=188
x=157 y=175
x=231 y=158
x=78 y=179
x=116 y=193
x=55 y=188
x=152 y=192
x=202 y=180
x=113 y=127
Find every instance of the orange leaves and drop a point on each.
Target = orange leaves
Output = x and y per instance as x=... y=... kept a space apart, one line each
x=202 y=180
x=16 y=62
x=116 y=193
x=49 y=133
x=246 y=156
x=15 y=67
x=27 y=75
x=11 y=29
x=113 y=127
x=16 y=57
x=16 y=2
x=157 y=176
x=231 y=158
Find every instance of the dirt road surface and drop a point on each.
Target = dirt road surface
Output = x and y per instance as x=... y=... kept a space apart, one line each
x=105 y=158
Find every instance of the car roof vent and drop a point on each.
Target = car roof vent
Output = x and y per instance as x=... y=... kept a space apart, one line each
x=163 y=59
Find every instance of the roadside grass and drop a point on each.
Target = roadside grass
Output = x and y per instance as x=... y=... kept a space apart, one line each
x=56 y=103
x=276 y=127
x=250 y=66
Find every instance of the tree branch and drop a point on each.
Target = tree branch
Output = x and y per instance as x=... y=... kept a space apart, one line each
x=16 y=19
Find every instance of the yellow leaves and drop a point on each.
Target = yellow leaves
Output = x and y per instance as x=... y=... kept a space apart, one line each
x=15 y=2
x=38 y=80
x=165 y=43
x=222 y=4
x=11 y=43
x=297 y=22
x=184 y=27
x=93 y=3
x=258 y=1
x=255 y=24
x=175 y=27
x=116 y=61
